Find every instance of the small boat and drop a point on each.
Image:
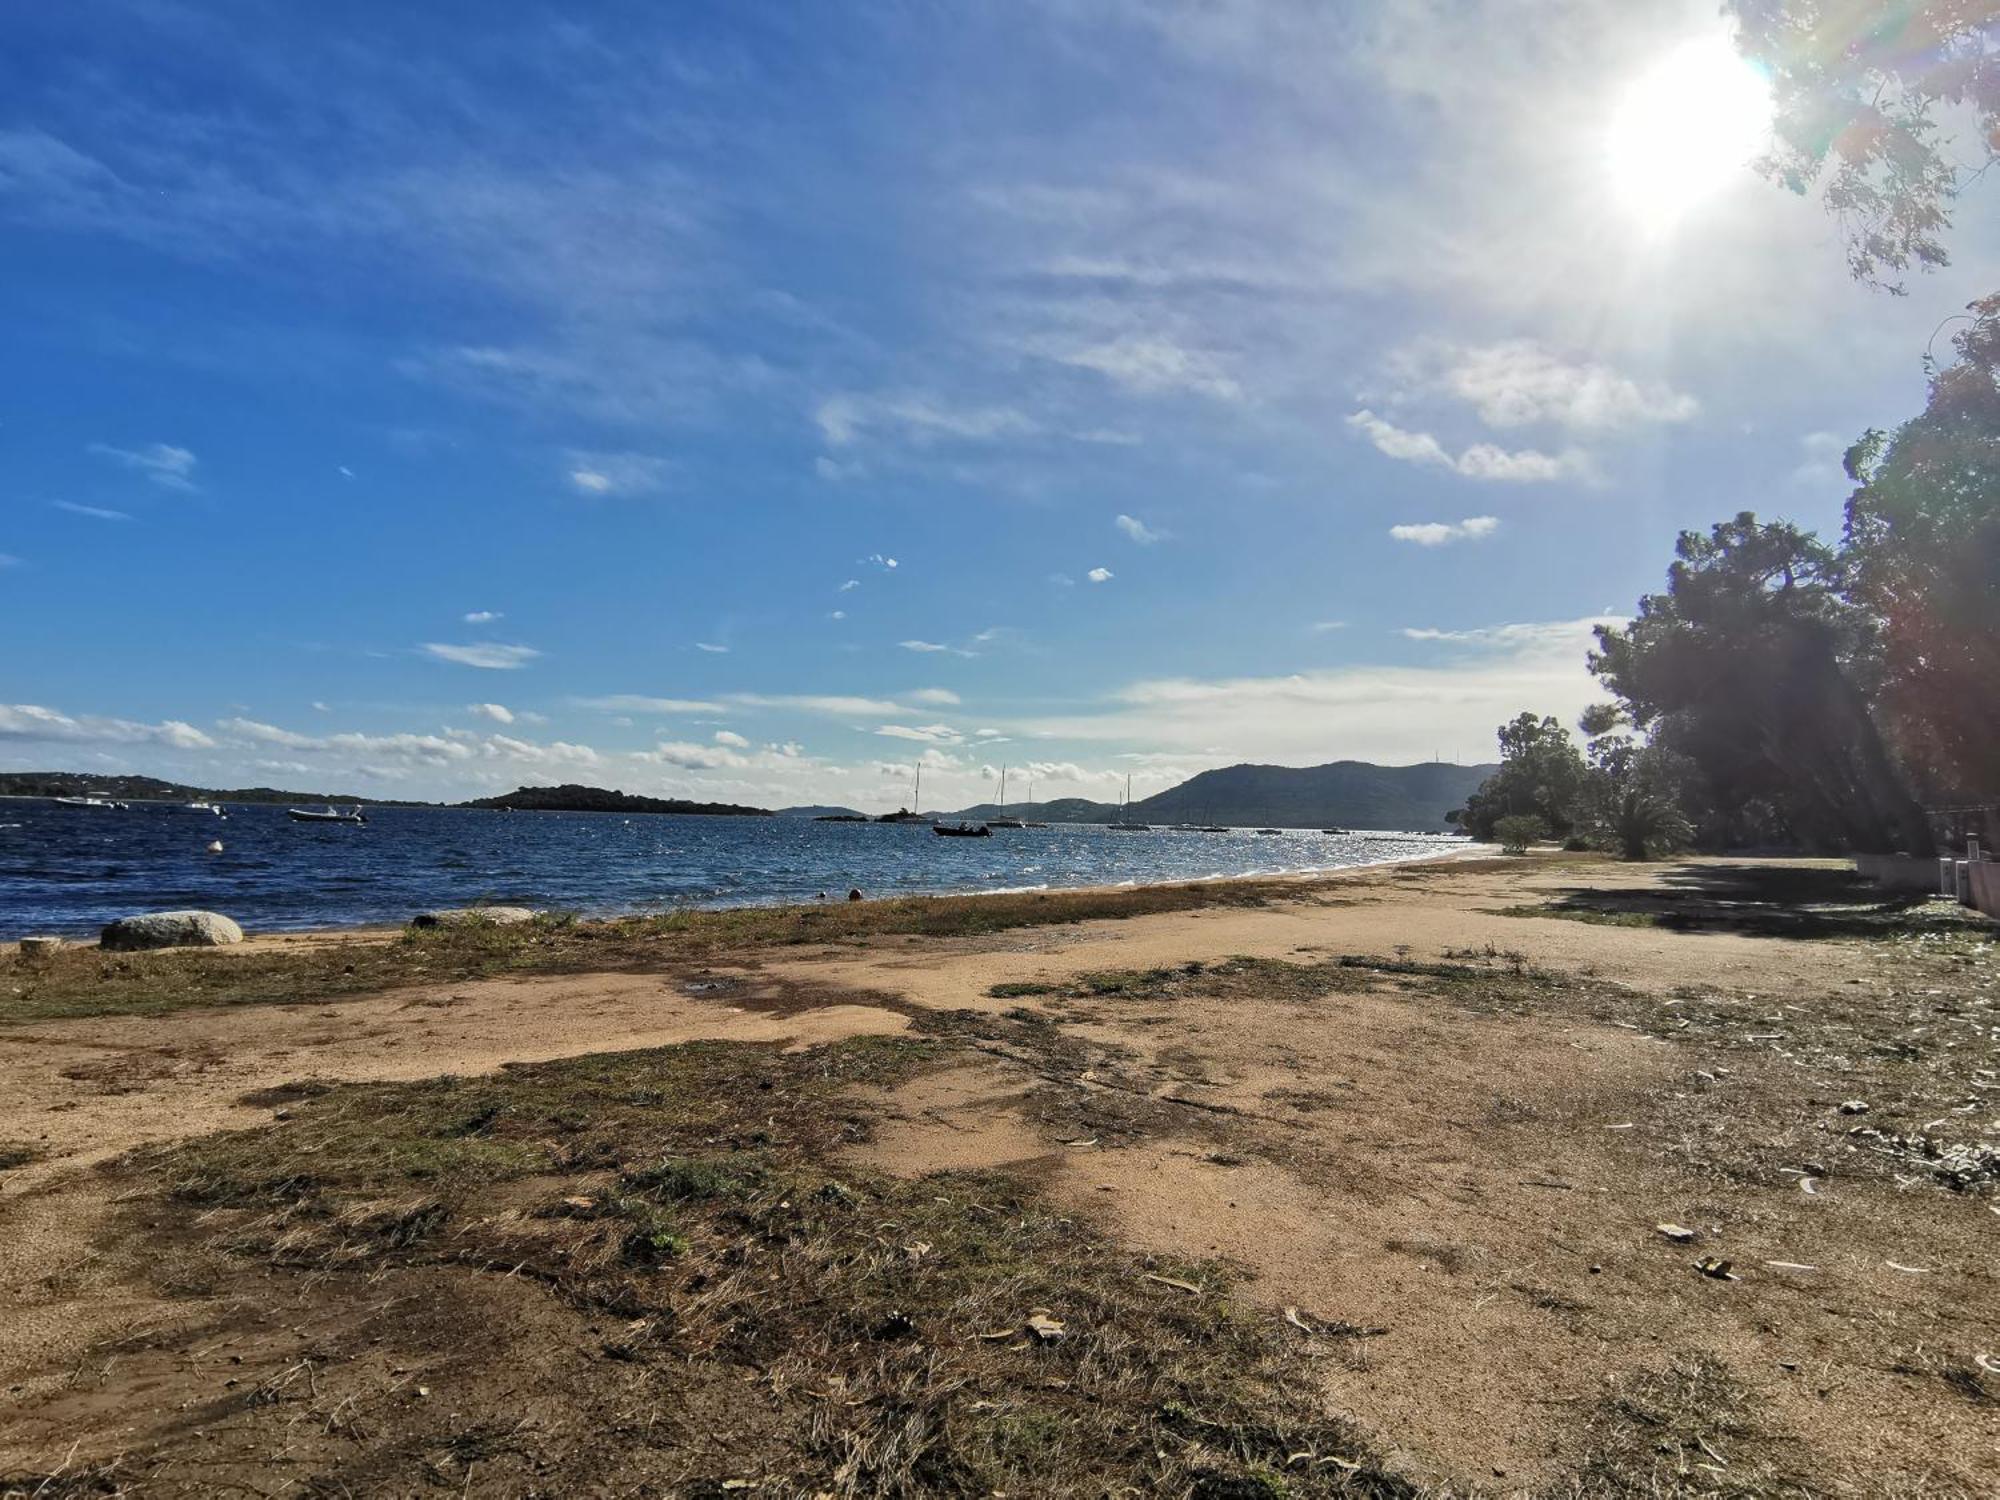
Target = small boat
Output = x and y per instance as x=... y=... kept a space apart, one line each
x=1217 y=828
x=1004 y=820
x=207 y=807
x=329 y=815
x=83 y=802
x=961 y=830
x=1338 y=832
x=1123 y=823
x=1271 y=830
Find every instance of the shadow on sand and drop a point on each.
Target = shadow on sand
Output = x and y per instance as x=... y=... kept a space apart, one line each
x=1761 y=901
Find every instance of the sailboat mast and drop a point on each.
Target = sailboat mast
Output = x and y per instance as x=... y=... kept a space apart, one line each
x=917 y=797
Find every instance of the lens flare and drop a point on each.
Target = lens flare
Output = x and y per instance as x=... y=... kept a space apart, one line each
x=1685 y=128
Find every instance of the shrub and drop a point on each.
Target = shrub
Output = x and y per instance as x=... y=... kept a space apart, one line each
x=1518 y=831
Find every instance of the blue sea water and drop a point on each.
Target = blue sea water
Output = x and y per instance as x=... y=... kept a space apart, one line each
x=69 y=870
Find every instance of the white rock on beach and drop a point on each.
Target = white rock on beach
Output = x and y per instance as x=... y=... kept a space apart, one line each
x=171 y=929
x=467 y=916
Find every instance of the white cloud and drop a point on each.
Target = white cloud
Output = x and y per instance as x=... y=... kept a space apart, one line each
x=1389 y=714
x=887 y=564
x=499 y=713
x=1100 y=575
x=162 y=463
x=838 y=614
x=9 y=560
x=1138 y=530
x=852 y=583
x=618 y=473
x=1062 y=580
x=635 y=703
x=1520 y=383
x=483 y=617
x=931 y=734
x=490 y=655
x=732 y=739
x=1483 y=461
x=29 y=721
x=1321 y=627
x=1153 y=366
x=834 y=705
x=847 y=418
x=1439 y=533
x=95 y=512
x=711 y=648
x=923 y=646
x=938 y=697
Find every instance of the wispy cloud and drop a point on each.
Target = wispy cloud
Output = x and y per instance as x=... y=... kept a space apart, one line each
x=30 y=721
x=930 y=734
x=499 y=713
x=712 y=648
x=164 y=464
x=940 y=697
x=639 y=703
x=1521 y=383
x=482 y=617
x=1153 y=365
x=95 y=512
x=1100 y=575
x=489 y=655
x=1139 y=531
x=618 y=473
x=1481 y=461
x=848 y=418
x=933 y=648
x=1440 y=533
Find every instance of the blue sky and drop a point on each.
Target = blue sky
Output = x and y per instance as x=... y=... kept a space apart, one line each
x=743 y=402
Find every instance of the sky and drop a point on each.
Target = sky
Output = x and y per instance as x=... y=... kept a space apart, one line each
x=750 y=402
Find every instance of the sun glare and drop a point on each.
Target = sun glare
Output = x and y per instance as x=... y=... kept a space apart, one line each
x=1683 y=129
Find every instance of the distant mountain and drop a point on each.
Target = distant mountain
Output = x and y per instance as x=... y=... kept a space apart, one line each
x=1343 y=794
x=598 y=799
x=818 y=811
x=152 y=789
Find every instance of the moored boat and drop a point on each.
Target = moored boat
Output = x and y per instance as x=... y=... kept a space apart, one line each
x=328 y=815
x=962 y=830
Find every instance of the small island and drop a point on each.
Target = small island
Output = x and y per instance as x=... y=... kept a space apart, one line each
x=573 y=798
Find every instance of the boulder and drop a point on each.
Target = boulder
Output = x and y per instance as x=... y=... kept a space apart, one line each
x=40 y=947
x=171 y=929
x=474 y=916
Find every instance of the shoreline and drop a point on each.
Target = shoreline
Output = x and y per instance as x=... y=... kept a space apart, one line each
x=380 y=929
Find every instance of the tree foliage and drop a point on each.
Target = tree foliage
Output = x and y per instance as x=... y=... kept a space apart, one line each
x=1922 y=554
x=1748 y=666
x=1541 y=775
x=1865 y=92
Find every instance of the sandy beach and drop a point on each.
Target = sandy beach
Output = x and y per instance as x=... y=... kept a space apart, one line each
x=1469 y=1143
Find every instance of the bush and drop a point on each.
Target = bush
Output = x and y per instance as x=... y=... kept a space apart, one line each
x=1518 y=831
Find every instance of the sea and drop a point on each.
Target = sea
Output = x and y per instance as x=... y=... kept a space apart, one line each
x=67 y=871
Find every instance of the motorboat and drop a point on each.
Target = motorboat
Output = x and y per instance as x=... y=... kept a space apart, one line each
x=962 y=830
x=103 y=802
x=327 y=815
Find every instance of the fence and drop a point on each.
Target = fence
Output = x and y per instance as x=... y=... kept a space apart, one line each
x=1974 y=881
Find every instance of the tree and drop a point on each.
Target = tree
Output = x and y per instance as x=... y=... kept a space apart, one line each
x=1518 y=830
x=1860 y=88
x=1749 y=665
x=1636 y=789
x=1541 y=775
x=1922 y=555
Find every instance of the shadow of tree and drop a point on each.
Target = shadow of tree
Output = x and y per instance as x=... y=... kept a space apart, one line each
x=1757 y=900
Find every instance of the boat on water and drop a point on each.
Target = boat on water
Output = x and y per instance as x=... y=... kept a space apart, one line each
x=903 y=814
x=104 y=802
x=1270 y=830
x=1217 y=828
x=326 y=815
x=1004 y=821
x=207 y=807
x=1337 y=832
x=962 y=830
x=1124 y=822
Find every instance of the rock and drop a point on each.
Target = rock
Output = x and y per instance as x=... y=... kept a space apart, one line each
x=474 y=916
x=854 y=894
x=1855 y=1107
x=171 y=929
x=39 y=947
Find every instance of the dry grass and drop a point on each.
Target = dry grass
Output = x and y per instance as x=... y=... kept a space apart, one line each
x=842 y=1334
x=84 y=981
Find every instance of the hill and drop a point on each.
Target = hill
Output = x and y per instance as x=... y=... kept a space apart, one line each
x=572 y=798
x=152 y=789
x=1342 y=794
x=818 y=811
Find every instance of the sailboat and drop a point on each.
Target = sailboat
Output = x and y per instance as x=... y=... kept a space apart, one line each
x=904 y=814
x=1123 y=823
x=1003 y=821
x=1031 y=823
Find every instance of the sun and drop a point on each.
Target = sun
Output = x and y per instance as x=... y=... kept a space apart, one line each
x=1686 y=128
